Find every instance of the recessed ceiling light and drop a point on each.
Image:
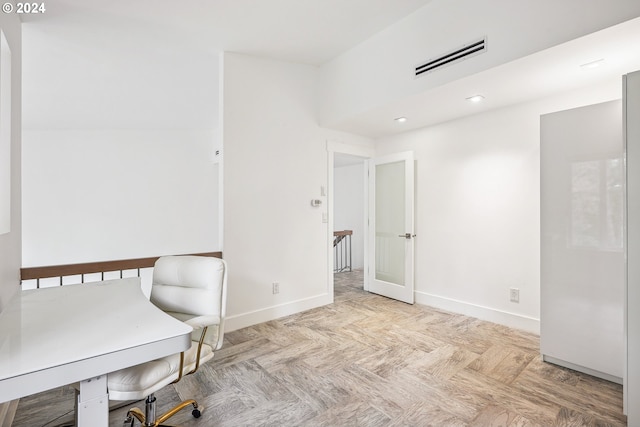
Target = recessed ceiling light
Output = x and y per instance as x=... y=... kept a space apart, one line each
x=475 y=98
x=593 y=64
x=400 y=119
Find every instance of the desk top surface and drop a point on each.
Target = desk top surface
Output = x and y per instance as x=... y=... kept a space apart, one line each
x=46 y=329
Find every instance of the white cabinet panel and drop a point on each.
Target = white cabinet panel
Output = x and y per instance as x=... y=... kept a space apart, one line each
x=582 y=239
x=632 y=136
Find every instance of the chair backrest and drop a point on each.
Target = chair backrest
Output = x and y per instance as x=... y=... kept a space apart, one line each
x=189 y=286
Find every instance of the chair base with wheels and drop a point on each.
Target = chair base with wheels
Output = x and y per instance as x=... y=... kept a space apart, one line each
x=150 y=413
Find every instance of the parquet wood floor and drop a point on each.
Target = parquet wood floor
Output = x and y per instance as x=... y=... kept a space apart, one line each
x=370 y=361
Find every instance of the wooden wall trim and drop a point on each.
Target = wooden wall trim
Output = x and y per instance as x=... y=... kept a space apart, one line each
x=29 y=273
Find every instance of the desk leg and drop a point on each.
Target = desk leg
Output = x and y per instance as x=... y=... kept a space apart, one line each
x=92 y=403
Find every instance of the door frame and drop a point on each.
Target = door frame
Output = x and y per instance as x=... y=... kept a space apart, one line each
x=366 y=152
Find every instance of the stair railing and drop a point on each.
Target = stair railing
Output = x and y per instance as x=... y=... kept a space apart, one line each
x=67 y=274
x=342 y=251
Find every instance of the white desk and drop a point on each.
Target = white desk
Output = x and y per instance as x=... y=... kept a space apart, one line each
x=56 y=336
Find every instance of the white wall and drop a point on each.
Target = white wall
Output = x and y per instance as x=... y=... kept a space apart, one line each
x=382 y=68
x=10 y=243
x=348 y=199
x=115 y=72
x=96 y=195
x=275 y=163
x=477 y=208
x=118 y=143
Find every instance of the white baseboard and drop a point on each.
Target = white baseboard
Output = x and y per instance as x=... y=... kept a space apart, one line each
x=243 y=320
x=511 y=320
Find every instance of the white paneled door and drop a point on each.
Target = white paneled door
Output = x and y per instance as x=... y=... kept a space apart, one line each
x=391 y=226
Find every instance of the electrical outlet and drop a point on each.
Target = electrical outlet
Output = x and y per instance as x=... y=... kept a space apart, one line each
x=275 y=288
x=514 y=295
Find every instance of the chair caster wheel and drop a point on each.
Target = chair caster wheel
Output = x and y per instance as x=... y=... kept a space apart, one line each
x=196 y=413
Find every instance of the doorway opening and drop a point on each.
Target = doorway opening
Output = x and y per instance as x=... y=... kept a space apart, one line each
x=349 y=223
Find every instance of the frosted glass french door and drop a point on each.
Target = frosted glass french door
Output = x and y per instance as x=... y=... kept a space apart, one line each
x=391 y=234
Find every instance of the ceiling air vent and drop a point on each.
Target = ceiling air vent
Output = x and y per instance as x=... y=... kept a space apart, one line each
x=466 y=51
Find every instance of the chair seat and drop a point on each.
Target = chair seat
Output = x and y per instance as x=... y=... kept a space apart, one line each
x=137 y=382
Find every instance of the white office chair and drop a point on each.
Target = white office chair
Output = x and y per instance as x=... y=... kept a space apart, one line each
x=193 y=290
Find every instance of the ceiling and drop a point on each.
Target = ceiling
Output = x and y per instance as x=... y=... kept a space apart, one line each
x=138 y=61
x=153 y=64
x=302 y=31
x=543 y=74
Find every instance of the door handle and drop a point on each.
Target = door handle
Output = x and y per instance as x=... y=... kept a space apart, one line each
x=407 y=235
